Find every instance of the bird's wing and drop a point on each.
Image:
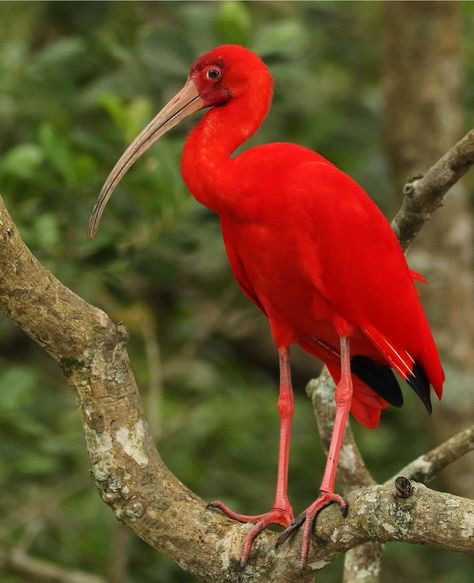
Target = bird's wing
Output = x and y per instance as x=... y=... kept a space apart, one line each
x=237 y=266
x=357 y=264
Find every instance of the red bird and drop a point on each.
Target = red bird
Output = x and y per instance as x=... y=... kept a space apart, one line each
x=309 y=247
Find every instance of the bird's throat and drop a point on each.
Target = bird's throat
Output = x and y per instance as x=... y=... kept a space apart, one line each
x=207 y=162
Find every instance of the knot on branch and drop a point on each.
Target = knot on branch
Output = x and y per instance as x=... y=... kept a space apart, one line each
x=409 y=188
x=404 y=488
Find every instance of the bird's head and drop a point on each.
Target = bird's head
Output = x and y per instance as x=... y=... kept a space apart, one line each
x=220 y=76
x=228 y=72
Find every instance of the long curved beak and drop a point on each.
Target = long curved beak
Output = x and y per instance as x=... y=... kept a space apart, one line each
x=183 y=104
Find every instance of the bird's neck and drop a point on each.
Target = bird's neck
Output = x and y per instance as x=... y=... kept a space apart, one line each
x=207 y=165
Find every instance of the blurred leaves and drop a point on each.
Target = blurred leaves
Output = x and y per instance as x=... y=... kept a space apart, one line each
x=58 y=153
x=16 y=385
x=22 y=161
x=286 y=38
x=131 y=118
x=233 y=22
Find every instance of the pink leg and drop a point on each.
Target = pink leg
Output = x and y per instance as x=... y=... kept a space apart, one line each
x=281 y=512
x=343 y=397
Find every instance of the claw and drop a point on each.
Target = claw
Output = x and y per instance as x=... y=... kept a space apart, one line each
x=283 y=516
x=294 y=526
x=309 y=517
x=218 y=505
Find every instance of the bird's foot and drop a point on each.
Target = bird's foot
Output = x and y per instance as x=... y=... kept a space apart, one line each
x=309 y=518
x=283 y=516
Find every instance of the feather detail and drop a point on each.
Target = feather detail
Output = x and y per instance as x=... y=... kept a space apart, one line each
x=418 y=277
x=398 y=359
x=412 y=372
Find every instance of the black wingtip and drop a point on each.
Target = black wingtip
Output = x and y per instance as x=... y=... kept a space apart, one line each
x=419 y=382
x=382 y=380
x=378 y=377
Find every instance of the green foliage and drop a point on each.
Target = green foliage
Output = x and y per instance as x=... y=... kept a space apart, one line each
x=233 y=22
x=79 y=80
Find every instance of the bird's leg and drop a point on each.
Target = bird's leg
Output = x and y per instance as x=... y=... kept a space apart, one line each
x=343 y=397
x=281 y=512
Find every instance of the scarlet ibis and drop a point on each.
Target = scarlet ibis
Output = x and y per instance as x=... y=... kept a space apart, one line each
x=310 y=248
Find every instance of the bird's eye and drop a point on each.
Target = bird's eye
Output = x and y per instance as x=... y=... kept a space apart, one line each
x=213 y=73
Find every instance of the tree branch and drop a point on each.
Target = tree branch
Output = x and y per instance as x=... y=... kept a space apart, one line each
x=363 y=564
x=125 y=465
x=423 y=195
x=428 y=465
x=16 y=561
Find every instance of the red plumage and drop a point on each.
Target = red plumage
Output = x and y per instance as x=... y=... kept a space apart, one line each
x=309 y=247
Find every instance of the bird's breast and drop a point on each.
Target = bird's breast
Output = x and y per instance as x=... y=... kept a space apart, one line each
x=268 y=266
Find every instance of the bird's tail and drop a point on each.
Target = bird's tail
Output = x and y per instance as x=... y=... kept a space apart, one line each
x=368 y=379
x=420 y=367
x=374 y=383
